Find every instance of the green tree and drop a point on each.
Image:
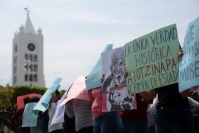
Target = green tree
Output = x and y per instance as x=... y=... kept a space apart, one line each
x=8 y=96
x=62 y=92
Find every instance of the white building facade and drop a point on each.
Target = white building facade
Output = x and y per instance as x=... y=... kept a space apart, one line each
x=27 y=56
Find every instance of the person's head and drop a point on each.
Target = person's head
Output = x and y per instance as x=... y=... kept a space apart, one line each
x=26 y=100
x=117 y=64
x=195 y=96
x=57 y=95
x=34 y=99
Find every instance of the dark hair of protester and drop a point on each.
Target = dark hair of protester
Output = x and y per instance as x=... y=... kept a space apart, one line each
x=34 y=99
x=26 y=100
x=151 y=101
x=57 y=92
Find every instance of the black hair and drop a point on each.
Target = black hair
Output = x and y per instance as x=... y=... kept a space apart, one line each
x=151 y=101
x=26 y=100
x=57 y=92
x=34 y=99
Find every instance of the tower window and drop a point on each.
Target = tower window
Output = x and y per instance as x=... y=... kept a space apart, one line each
x=15 y=48
x=35 y=58
x=30 y=77
x=26 y=77
x=30 y=67
x=25 y=67
x=15 y=59
x=15 y=69
x=35 y=68
x=26 y=57
x=35 y=77
x=30 y=58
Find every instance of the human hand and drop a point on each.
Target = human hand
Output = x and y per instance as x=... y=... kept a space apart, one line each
x=102 y=79
x=125 y=74
x=180 y=53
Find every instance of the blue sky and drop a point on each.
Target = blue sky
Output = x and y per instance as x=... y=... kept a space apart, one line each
x=76 y=31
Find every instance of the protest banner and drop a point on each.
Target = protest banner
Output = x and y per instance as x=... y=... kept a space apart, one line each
x=115 y=96
x=59 y=113
x=93 y=80
x=39 y=107
x=189 y=63
x=29 y=119
x=42 y=105
x=77 y=91
x=151 y=60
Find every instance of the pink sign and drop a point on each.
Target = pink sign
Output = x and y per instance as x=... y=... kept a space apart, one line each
x=20 y=99
x=77 y=91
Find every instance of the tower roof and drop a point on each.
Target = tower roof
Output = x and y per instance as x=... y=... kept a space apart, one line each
x=28 y=28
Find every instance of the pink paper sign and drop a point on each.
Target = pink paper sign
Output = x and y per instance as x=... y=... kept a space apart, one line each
x=77 y=91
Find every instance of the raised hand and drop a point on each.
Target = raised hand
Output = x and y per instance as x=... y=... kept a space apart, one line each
x=180 y=53
x=102 y=79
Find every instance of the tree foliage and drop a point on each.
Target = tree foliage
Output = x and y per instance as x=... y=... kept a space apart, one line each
x=62 y=92
x=8 y=97
x=8 y=94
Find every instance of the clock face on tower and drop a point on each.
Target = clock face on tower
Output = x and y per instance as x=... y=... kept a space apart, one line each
x=31 y=47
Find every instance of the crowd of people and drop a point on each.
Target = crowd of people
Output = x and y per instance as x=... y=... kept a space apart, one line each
x=160 y=110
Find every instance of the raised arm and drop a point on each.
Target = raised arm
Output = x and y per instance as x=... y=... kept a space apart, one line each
x=90 y=96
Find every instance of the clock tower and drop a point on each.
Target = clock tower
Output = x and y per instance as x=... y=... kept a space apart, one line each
x=27 y=56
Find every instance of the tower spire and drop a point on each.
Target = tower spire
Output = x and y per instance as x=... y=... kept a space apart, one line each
x=27 y=10
x=28 y=27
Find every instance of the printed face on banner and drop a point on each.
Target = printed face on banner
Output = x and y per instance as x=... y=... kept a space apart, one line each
x=115 y=96
x=117 y=67
x=113 y=68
